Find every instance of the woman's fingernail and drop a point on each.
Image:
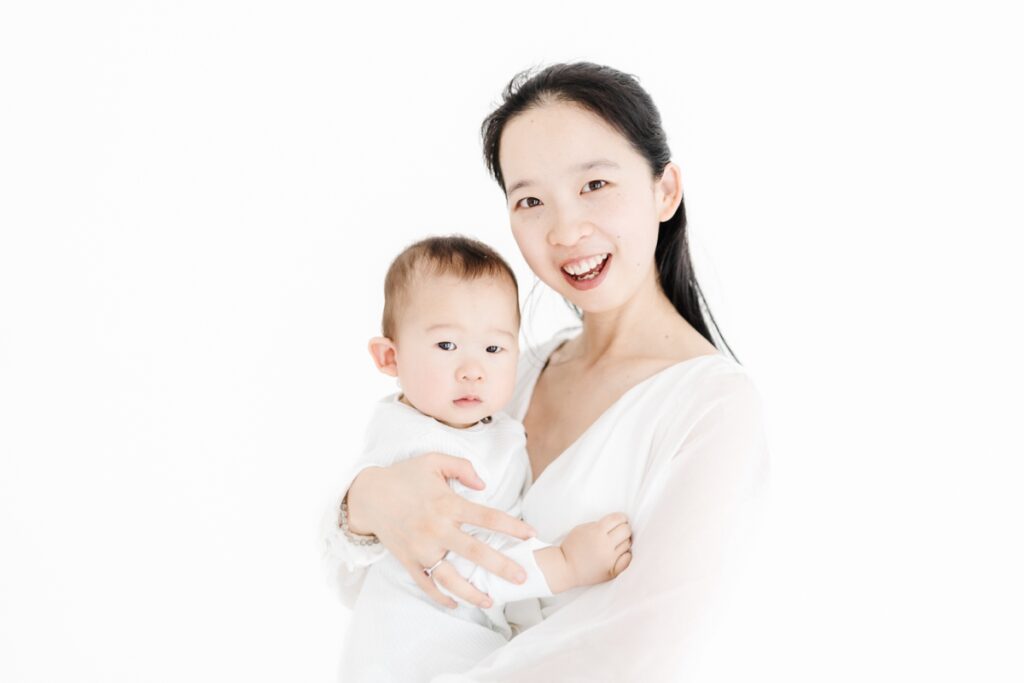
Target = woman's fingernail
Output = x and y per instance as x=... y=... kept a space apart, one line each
x=521 y=577
x=486 y=603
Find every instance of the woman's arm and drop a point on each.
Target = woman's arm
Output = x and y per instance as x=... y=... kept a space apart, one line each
x=411 y=508
x=647 y=624
x=345 y=562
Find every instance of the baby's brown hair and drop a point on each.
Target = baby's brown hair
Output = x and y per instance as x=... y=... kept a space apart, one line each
x=462 y=257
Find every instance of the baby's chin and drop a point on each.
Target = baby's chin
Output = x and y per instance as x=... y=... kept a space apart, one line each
x=459 y=413
x=468 y=413
x=464 y=415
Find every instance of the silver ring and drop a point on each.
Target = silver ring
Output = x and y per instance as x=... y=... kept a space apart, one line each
x=430 y=571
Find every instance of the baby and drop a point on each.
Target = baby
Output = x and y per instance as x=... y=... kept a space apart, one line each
x=451 y=328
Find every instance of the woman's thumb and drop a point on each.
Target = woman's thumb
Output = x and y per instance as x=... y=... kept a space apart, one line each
x=461 y=469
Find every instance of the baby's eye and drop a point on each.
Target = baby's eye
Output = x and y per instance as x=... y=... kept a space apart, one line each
x=493 y=349
x=594 y=185
x=446 y=346
x=528 y=202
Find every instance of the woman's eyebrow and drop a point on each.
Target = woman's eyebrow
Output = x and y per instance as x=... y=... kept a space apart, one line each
x=586 y=166
x=597 y=163
x=518 y=186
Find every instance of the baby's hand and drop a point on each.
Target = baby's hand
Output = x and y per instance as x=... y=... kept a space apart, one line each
x=599 y=551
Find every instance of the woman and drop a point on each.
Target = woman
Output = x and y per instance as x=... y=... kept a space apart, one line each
x=639 y=412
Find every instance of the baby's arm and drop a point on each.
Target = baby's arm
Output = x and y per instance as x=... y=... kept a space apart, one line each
x=591 y=553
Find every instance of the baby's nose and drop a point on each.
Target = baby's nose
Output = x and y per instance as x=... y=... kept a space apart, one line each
x=471 y=373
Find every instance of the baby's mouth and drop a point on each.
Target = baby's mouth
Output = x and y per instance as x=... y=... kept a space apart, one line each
x=467 y=401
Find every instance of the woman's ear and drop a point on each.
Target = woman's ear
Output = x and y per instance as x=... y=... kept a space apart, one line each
x=385 y=355
x=668 y=191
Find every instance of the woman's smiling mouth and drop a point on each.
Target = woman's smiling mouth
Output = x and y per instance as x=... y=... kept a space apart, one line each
x=586 y=273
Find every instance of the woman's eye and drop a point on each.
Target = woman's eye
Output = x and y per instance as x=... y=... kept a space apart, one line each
x=528 y=202
x=594 y=185
x=446 y=346
x=493 y=349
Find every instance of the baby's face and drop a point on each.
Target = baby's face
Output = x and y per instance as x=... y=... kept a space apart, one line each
x=457 y=347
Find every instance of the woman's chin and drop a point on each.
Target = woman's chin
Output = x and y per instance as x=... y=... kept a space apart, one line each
x=596 y=296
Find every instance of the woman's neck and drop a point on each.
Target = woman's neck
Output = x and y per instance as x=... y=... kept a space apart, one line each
x=646 y=326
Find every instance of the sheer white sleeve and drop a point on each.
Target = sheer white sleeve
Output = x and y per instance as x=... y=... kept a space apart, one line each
x=345 y=562
x=647 y=624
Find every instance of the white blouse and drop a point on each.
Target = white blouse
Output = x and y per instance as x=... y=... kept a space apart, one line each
x=683 y=454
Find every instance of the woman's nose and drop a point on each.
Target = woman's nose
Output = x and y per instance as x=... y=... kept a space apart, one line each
x=569 y=227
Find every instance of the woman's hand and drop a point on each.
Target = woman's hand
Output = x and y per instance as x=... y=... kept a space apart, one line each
x=416 y=515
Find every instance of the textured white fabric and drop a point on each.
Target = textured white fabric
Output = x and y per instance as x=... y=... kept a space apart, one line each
x=390 y=608
x=497 y=451
x=683 y=455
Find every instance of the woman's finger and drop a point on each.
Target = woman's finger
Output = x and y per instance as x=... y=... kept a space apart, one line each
x=446 y=575
x=485 y=556
x=624 y=546
x=427 y=585
x=495 y=520
x=451 y=467
x=609 y=522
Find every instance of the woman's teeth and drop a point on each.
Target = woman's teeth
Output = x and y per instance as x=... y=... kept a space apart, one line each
x=586 y=269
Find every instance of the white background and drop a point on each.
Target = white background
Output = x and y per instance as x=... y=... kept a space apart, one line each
x=198 y=201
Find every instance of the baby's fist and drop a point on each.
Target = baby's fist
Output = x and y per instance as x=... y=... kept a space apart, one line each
x=599 y=551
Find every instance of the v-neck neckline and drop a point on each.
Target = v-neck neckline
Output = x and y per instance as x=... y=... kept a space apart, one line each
x=607 y=411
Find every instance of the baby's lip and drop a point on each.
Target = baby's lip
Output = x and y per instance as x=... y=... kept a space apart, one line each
x=469 y=397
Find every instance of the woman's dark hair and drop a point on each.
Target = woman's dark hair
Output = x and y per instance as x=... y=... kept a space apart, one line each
x=618 y=99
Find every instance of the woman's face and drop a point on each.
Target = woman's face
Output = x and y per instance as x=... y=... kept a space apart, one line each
x=583 y=204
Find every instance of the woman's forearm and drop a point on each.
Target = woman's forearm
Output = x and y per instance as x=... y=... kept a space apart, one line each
x=345 y=562
x=357 y=496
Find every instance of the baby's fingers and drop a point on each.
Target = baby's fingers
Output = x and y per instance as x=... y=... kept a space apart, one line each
x=609 y=522
x=620 y=533
x=622 y=563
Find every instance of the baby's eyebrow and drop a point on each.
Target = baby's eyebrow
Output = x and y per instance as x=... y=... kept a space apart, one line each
x=458 y=328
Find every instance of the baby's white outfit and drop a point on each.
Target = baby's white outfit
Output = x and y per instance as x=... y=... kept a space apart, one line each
x=397 y=633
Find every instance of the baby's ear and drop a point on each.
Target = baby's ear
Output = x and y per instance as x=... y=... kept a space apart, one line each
x=385 y=355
